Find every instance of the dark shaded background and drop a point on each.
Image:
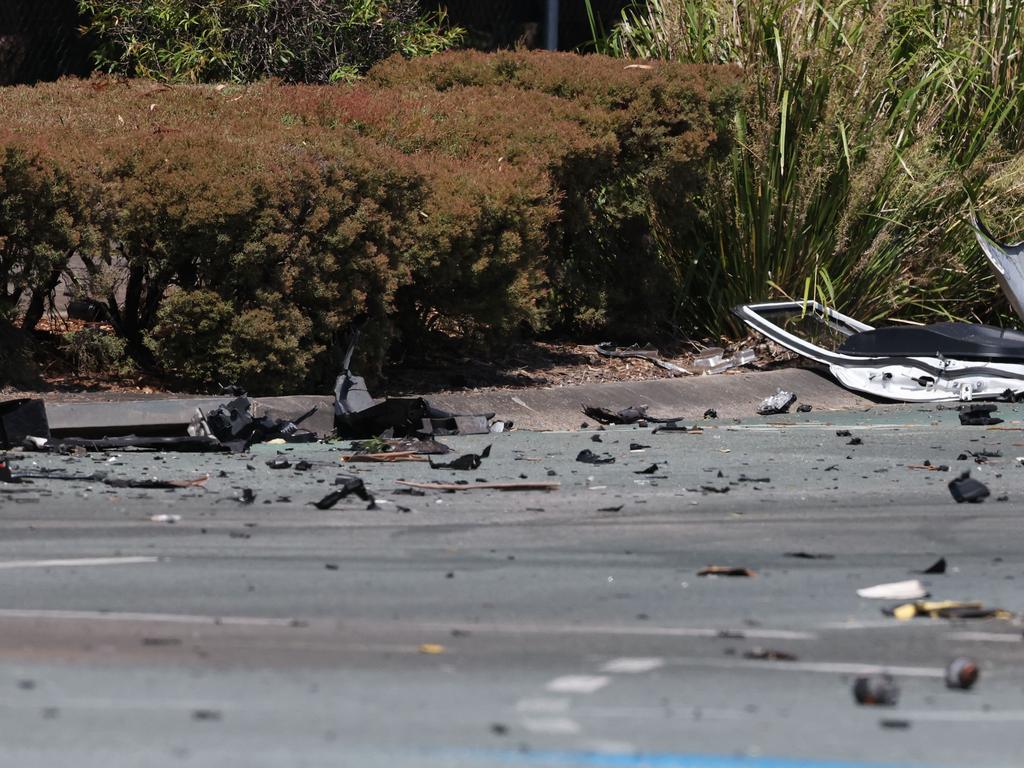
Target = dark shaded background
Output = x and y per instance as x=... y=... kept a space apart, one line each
x=39 y=39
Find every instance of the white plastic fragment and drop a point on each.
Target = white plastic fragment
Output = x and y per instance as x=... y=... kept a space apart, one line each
x=165 y=518
x=897 y=590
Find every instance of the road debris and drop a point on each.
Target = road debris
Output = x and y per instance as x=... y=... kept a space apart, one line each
x=809 y=556
x=777 y=403
x=962 y=673
x=710 y=413
x=945 y=609
x=725 y=570
x=876 y=690
x=587 y=456
x=22 y=418
x=527 y=486
x=804 y=408
x=675 y=427
x=966 y=489
x=979 y=415
x=631 y=415
x=769 y=654
x=897 y=590
x=165 y=518
x=608 y=349
x=469 y=461
x=349 y=485
x=939 y=566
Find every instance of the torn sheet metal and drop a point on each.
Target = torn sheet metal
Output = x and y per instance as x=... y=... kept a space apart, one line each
x=358 y=415
x=928 y=363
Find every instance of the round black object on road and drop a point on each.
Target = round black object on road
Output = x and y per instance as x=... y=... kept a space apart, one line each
x=876 y=690
x=962 y=673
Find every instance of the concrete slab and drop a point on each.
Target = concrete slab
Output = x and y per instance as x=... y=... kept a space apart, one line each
x=553 y=408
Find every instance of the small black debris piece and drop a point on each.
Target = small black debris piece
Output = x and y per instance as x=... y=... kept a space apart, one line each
x=979 y=415
x=634 y=414
x=962 y=673
x=804 y=408
x=247 y=496
x=725 y=570
x=469 y=461
x=769 y=654
x=939 y=566
x=855 y=441
x=810 y=556
x=279 y=463
x=745 y=479
x=161 y=642
x=674 y=426
x=648 y=471
x=714 y=489
x=1009 y=396
x=962 y=457
x=966 y=488
x=710 y=413
x=629 y=415
x=349 y=485
x=587 y=456
x=611 y=509
x=331 y=566
x=206 y=715
x=499 y=729
x=777 y=403
x=876 y=690
x=596 y=439
x=638 y=446
x=843 y=433
x=303 y=466
x=894 y=723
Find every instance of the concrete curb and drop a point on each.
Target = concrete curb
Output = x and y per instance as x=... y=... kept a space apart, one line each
x=554 y=408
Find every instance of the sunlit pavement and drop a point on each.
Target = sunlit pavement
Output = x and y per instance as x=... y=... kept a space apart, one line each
x=563 y=628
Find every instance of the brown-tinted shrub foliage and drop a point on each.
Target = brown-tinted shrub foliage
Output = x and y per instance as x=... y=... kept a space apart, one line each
x=234 y=233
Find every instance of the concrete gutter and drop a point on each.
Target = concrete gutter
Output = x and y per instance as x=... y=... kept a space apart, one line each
x=549 y=408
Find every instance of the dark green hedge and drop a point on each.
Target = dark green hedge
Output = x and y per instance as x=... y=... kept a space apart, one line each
x=234 y=232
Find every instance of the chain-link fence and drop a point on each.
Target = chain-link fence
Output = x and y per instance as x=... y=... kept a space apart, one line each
x=39 y=40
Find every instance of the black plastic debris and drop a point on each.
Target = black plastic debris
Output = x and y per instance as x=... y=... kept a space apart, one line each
x=349 y=485
x=425 y=446
x=769 y=654
x=672 y=426
x=745 y=479
x=21 y=418
x=596 y=439
x=234 y=425
x=616 y=508
x=469 y=461
x=710 y=413
x=876 y=690
x=810 y=555
x=587 y=456
x=647 y=471
x=855 y=441
x=726 y=570
x=843 y=433
x=777 y=403
x=966 y=489
x=638 y=447
x=303 y=466
x=279 y=463
x=979 y=415
x=804 y=408
x=939 y=566
x=634 y=414
x=962 y=673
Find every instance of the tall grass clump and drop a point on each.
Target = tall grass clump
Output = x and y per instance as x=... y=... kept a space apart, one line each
x=867 y=131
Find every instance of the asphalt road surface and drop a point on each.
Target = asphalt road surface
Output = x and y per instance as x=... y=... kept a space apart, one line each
x=528 y=628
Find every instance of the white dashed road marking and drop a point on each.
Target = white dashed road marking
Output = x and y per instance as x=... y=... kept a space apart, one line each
x=561 y=726
x=577 y=684
x=78 y=562
x=632 y=665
